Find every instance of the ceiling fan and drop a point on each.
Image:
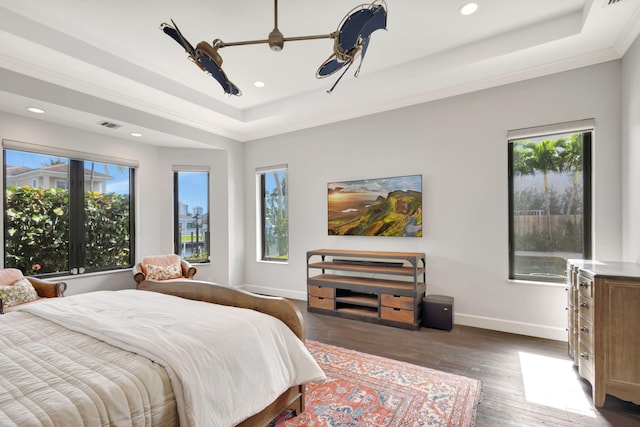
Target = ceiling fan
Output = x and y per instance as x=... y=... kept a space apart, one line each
x=351 y=39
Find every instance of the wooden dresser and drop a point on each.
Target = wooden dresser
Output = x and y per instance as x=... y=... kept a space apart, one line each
x=378 y=287
x=604 y=314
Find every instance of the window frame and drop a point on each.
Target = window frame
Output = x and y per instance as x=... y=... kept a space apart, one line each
x=587 y=128
x=177 y=237
x=261 y=237
x=76 y=251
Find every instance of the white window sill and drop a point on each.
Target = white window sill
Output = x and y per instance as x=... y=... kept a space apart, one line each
x=537 y=283
x=262 y=261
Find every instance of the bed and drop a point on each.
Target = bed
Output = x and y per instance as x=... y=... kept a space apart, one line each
x=216 y=356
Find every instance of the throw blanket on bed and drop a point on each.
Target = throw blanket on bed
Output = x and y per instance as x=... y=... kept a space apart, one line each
x=225 y=363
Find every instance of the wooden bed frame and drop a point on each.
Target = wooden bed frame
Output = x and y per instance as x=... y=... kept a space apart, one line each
x=280 y=308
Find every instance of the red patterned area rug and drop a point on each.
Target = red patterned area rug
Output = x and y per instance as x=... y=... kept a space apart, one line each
x=367 y=390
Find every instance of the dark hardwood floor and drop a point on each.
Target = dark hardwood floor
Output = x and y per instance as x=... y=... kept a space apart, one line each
x=495 y=358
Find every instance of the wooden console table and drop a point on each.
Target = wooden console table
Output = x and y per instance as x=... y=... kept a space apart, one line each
x=347 y=289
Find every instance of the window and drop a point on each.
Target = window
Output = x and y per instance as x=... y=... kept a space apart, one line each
x=273 y=213
x=549 y=203
x=79 y=218
x=191 y=214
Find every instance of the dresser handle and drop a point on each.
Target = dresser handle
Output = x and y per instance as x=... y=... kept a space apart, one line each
x=583 y=284
x=584 y=305
x=584 y=330
x=584 y=355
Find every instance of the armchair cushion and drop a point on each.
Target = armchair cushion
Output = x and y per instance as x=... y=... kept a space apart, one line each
x=159 y=260
x=157 y=272
x=19 y=292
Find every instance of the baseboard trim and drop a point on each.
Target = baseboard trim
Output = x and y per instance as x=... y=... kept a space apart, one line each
x=502 y=325
x=520 y=328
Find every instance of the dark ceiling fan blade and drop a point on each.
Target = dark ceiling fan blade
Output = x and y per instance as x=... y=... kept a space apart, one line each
x=171 y=32
x=351 y=29
x=329 y=67
x=209 y=60
x=378 y=21
x=174 y=33
x=352 y=38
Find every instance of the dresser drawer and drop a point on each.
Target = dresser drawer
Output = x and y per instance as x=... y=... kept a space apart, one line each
x=397 y=314
x=396 y=301
x=585 y=332
x=585 y=307
x=321 y=291
x=321 y=302
x=585 y=363
x=585 y=286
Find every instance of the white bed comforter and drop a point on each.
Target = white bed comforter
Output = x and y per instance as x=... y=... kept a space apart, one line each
x=225 y=364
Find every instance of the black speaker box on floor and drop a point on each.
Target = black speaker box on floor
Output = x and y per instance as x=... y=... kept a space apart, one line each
x=437 y=312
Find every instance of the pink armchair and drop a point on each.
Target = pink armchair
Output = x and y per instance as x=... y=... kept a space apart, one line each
x=17 y=290
x=162 y=268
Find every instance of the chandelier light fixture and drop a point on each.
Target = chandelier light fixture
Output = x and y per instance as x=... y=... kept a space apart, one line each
x=351 y=40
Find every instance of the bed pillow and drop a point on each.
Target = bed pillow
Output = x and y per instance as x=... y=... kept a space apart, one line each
x=157 y=272
x=19 y=292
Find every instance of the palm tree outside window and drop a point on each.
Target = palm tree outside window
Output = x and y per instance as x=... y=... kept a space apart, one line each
x=273 y=213
x=549 y=204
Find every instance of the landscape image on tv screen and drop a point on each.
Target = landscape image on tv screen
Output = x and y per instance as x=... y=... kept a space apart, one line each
x=376 y=207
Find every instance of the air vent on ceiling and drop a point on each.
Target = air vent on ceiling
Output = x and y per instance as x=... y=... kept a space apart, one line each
x=110 y=125
x=613 y=1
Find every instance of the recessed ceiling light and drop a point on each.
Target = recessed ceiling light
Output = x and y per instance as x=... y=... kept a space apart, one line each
x=136 y=134
x=468 y=8
x=258 y=84
x=36 y=110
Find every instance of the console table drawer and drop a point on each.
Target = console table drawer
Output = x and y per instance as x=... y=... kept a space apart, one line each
x=321 y=291
x=396 y=301
x=321 y=302
x=397 y=314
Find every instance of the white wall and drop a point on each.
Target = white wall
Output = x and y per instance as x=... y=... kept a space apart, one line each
x=459 y=146
x=154 y=196
x=227 y=220
x=631 y=152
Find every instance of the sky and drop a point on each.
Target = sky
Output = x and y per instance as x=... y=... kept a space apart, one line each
x=193 y=189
